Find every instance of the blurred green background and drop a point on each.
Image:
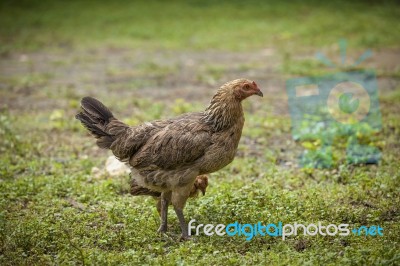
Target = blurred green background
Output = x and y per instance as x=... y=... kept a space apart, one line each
x=233 y=25
x=156 y=59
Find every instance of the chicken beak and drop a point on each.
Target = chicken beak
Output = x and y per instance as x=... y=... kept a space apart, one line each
x=259 y=93
x=203 y=190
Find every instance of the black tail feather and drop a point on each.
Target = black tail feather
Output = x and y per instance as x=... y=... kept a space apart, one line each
x=95 y=117
x=93 y=128
x=96 y=111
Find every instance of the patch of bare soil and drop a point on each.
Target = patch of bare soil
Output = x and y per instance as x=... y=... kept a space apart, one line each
x=43 y=80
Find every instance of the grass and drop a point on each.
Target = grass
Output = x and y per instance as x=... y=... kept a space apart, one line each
x=53 y=211
x=237 y=25
x=156 y=60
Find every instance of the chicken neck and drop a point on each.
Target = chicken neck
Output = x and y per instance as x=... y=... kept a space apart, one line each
x=224 y=111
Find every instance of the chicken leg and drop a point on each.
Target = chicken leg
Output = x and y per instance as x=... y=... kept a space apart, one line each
x=178 y=200
x=182 y=223
x=164 y=202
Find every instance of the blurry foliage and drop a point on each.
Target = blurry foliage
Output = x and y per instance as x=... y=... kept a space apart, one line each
x=235 y=25
x=211 y=74
x=10 y=140
x=328 y=144
x=181 y=107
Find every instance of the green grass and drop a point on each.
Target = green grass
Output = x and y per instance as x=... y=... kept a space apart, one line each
x=237 y=25
x=55 y=210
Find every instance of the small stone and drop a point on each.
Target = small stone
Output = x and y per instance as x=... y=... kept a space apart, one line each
x=115 y=167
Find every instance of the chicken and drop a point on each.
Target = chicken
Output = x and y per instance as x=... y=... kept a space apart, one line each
x=166 y=156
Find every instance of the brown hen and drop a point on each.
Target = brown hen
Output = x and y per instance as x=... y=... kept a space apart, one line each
x=166 y=156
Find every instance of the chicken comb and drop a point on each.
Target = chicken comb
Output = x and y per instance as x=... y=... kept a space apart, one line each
x=255 y=84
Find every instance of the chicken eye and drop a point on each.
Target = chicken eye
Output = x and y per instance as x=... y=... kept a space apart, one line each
x=246 y=87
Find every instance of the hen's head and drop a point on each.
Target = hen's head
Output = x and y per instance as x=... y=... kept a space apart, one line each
x=241 y=88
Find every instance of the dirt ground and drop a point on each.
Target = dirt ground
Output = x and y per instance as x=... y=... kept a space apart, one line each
x=38 y=81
